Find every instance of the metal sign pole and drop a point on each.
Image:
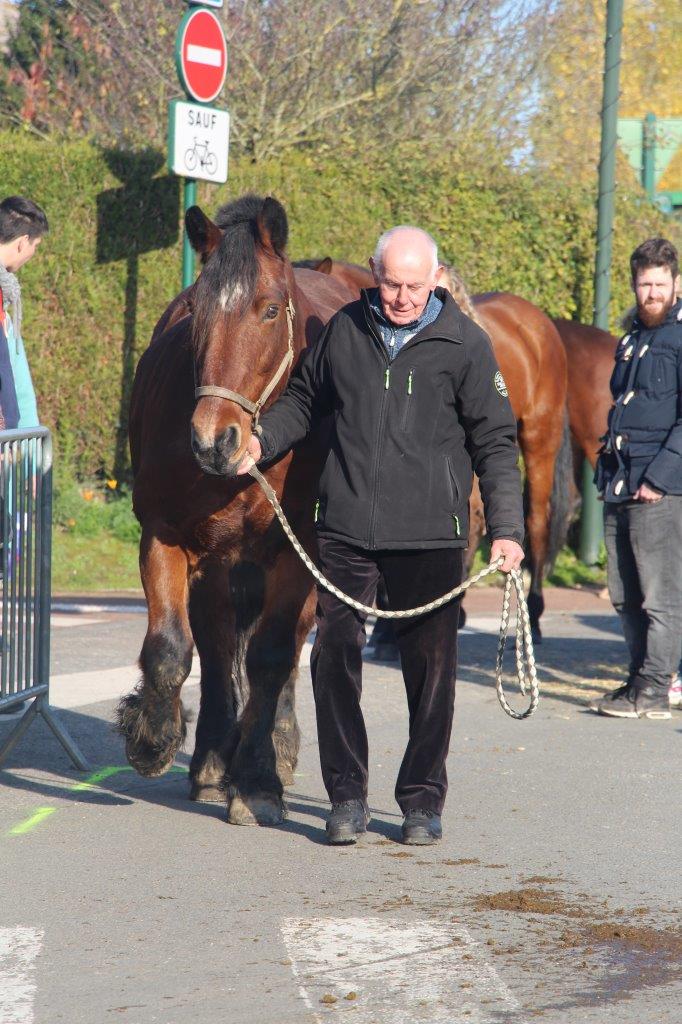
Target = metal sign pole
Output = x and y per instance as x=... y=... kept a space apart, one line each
x=189 y=199
x=591 y=524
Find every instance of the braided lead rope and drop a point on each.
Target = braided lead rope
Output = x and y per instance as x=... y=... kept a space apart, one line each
x=525 y=661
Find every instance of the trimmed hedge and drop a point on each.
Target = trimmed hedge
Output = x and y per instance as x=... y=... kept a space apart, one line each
x=112 y=259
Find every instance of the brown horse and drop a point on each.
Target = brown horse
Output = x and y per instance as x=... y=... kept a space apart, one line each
x=216 y=567
x=590 y=354
x=533 y=364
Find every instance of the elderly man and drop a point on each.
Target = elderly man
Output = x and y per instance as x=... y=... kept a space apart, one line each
x=416 y=400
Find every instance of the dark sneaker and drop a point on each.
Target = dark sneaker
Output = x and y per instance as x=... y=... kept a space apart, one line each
x=636 y=702
x=615 y=695
x=347 y=821
x=421 y=828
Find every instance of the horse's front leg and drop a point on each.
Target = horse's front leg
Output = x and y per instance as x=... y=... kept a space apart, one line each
x=269 y=739
x=213 y=627
x=152 y=718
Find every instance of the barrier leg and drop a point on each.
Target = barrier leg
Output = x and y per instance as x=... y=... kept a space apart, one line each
x=19 y=729
x=63 y=736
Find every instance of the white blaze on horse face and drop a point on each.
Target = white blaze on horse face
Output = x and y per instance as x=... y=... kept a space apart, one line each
x=231 y=296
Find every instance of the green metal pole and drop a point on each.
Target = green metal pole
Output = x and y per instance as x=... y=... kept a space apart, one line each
x=649 y=156
x=591 y=525
x=190 y=199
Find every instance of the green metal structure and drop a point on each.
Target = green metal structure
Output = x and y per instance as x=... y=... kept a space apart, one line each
x=591 y=525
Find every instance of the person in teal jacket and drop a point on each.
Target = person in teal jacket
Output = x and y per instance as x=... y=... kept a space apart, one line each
x=22 y=226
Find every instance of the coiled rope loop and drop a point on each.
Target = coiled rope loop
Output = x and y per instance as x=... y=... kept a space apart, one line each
x=525 y=660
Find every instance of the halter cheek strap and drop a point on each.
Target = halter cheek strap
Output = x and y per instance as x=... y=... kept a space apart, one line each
x=213 y=391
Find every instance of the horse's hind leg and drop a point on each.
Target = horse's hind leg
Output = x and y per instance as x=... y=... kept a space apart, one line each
x=269 y=737
x=539 y=453
x=212 y=621
x=151 y=718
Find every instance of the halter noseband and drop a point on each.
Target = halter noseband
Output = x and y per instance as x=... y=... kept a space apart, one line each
x=213 y=391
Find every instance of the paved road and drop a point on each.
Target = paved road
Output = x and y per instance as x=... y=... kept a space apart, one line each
x=554 y=895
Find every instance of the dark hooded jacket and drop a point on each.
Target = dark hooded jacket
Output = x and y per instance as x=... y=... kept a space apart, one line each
x=643 y=443
x=406 y=434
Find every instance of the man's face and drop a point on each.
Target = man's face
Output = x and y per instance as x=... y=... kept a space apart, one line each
x=656 y=291
x=21 y=250
x=405 y=279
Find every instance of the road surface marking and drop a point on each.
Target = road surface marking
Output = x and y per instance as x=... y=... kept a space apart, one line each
x=19 y=948
x=30 y=823
x=100 y=775
x=396 y=971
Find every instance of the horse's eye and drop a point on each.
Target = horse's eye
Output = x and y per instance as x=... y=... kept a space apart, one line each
x=271 y=312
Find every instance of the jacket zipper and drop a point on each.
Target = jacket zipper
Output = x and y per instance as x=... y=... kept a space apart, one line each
x=408 y=402
x=379 y=446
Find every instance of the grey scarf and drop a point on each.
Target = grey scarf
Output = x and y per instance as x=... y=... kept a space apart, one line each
x=11 y=292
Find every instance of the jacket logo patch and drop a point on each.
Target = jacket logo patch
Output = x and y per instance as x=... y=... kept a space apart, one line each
x=500 y=386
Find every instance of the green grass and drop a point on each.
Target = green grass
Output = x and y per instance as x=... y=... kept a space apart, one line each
x=96 y=536
x=99 y=562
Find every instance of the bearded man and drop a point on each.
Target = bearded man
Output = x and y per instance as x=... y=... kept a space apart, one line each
x=639 y=475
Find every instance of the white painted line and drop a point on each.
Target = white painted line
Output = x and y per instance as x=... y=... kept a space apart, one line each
x=19 y=948
x=69 y=621
x=78 y=689
x=85 y=609
x=394 y=971
x=204 y=55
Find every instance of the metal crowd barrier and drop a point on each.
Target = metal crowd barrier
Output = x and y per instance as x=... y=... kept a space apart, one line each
x=26 y=547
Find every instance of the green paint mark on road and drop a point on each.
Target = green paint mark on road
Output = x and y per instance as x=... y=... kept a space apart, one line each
x=26 y=826
x=80 y=787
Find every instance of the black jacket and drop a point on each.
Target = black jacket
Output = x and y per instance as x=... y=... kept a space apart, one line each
x=644 y=438
x=405 y=433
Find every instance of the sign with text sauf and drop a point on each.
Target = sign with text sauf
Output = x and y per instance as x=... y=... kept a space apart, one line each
x=198 y=141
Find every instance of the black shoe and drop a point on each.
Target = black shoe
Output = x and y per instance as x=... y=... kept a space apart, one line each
x=596 y=703
x=347 y=821
x=421 y=828
x=635 y=702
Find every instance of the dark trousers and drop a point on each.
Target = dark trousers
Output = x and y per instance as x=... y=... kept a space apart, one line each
x=428 y=654
x=644 y=548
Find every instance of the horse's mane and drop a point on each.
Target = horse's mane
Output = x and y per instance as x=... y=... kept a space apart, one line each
x=454 y=282
x=230 y=276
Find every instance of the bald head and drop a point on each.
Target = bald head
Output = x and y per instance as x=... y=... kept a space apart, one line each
x=405 y=268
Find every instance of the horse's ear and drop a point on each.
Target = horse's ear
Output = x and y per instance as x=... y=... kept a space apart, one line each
x=324 y=266
x=203 y=234
x=273 y=229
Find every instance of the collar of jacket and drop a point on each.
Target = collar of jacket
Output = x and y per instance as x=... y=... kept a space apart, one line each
x=673 y=316
x=449 y=325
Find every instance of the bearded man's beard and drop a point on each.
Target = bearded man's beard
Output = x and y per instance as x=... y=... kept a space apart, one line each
x=652 y=316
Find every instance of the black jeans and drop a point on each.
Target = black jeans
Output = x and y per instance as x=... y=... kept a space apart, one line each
x=644 y=548
x=428 y=654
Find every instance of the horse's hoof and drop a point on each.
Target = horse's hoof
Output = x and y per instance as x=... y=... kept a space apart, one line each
x=256 y=810
x=206 y=793
x=150 y=761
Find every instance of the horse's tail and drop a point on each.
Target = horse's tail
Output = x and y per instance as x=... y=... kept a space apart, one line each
x=561 y=500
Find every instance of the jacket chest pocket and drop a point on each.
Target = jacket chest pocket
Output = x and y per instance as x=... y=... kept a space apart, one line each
x=657 y=371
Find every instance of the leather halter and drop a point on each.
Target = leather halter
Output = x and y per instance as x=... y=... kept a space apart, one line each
x=213 y=391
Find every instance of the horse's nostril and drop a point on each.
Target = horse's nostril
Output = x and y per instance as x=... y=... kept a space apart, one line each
x=228 y=442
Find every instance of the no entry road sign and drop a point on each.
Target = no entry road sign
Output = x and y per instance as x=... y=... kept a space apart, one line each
x=201 y=54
